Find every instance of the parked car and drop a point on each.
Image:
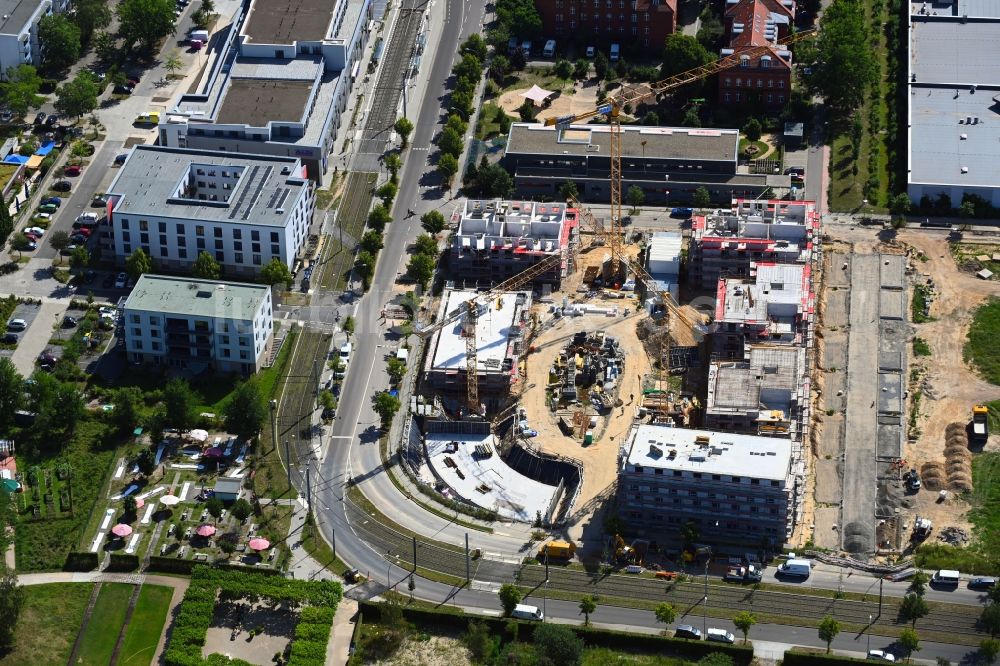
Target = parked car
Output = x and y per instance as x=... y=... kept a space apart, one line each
x=328 y=413
x=30 y=236
x=10 y=338
x=982 y=583
x=150 y=118
x=6 y=115
x=881 y=655
x=590 y=51
x=17 y=325
x=39 y=118
x=101 y=200
x=52 y=120
x=68 y=250
x=681 y=212
x=78 y=239
x=122 y=89
x=73 y=170
x=38 y=231
x=47 y=359
x=351 y=575
x=53 y=201
x=48 y=208
x=69 y=322
x=687 y=631
x=31 y=246
x=62 y=186
x=85 y=231
x=121 y=280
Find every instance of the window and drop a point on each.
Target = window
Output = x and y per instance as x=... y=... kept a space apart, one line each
x=274 y=236
x=739 y=82
x=677 y=472
x=754 y=482
x=128 y=248
x=237 y=233
x=737 y=479
x=225 y=353
x=218 y=243
x=781 y=83
x=770 y=83
x=220 y=256
x=218 y=232
x=200 y=243
x=144 y=238
x=138 y=344
x=238 y=245
x=770 y=98
x=137 y=331
x=199 y=230
x=162 y=227
x=275 y=250
x=765 y=62
x=635 y=30
x=143 y=225
x=126 y=237
x=658 y=470
x=697 y=475
x=716 y=477
x=163 y=250
x=243 y=355
x=256 y=260
x=781 y=98
x=182 y=241
x=135 y=319
x=744 y=61
x=163 y=239
x=255 y=247
x=182 y=253
x=124 y=223
x=729 y=82
x=255 y=235
x=726 y=96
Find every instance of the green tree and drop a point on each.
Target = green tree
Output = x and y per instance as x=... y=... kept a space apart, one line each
x=681 y=53
x=421 y=268
x=557 y=644
x=475 y=45
x=701 y=198
x=79 y=259
x=846 y=67
x=910 y=642
x=510 y=597
x=519 y=18
x=106 y=48
x=205 y=267
x=386 y=406
x=587 y=606
x=138 y=263
x=241 y=510
x=60 y=41
x=666 y=614
x=245 y=411
x=691 y=117
x=752 y=129
x=456 y=123
x=447 y=167
x=433 y=222
x=494 y=181
x=468 y=67
x=601 y=65
x=78 y=97
x=179 y=404
x=173 y=64
x=989 y=648
x=276 y=272
x=990 y=619
x=499 y=66
x=689 y=534
x=569 y=191
x=20 y=90
x=715 y=659
x=913 y=608
x=145 y=22
x=387 y=192
x=11 y=392
x=379 y=217
x=918 y=584
x=526 y=112
x=130 y=507
x=450 y=142
x=426 y=244
x=563 y=69
x=635 y=196
x=6 y=223
x=90 y=15
x=349 y=325
x=581 y=69
x=372 y=241
x=393 y=164
x=214 y=508
x=59 y=406
x=744 y=620
x=828 y=630
x=127 y=403
x=404 y=128
x=365 y=265
x=900 y=204
x=11 y=603
x=396 y=367
x=146 y=461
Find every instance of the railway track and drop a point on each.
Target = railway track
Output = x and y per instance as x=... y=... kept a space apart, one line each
x=299 y=393
x=351 y=216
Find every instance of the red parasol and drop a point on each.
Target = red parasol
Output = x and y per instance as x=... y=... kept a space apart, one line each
x=206 y=531
x=121 y=529
x=259 y=543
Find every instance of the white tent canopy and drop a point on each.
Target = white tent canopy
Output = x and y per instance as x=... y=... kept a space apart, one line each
x=537 y=95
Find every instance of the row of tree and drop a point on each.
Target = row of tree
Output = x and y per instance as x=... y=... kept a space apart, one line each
x=206 y=267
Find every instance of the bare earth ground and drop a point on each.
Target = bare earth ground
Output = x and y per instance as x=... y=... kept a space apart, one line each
x=951 y=386
x=436 y=651
x=584 y=98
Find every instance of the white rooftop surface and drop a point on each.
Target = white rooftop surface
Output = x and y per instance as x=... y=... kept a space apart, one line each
x=937 y=150
x=727 y=453
x=664 y=252
x=492 y=331
x=510 y=494
x=954 y=52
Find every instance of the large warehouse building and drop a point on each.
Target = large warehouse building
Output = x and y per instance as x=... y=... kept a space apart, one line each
x=954 y=102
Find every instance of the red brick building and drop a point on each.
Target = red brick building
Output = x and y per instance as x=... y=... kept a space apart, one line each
x=764 y=79
x=642 y=23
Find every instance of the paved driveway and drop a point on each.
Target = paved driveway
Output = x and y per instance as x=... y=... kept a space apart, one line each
x=36 y=338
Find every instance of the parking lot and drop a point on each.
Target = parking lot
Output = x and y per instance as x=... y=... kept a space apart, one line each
x=34 y=340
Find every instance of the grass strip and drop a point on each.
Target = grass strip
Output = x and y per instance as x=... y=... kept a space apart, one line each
x=48 y=624
x=101 y=634
x=146 y=625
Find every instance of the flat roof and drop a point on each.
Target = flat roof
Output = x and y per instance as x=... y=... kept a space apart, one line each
x=488 y=482
x=154 y=178
x=938 y=121
x=493 y=328
x=595 y=140
x=723 y=452
x=767 y=382
x=950 y=51
x=288 y=21
x=16 y=14
x=257 y=102
x=197 y=298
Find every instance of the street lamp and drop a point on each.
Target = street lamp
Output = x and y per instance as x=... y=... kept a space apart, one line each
x=869 y=632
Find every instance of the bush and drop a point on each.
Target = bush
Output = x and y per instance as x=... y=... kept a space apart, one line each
x=80 y=562
x=795 y=657
x=123 y=562
x=170 y=565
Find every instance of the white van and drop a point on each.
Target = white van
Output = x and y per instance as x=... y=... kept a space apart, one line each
x=945 y=577
x=526 y=48
x=345 y=357
x=719 y=636
x=615 y=52
x=525 y=612
x=550 y=48
x=796 y=567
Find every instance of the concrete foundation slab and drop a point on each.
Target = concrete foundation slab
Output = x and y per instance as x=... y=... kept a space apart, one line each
x=890 y=393
x=892 y=304
x=826 y=534
x=829 y=485
x=892 y=272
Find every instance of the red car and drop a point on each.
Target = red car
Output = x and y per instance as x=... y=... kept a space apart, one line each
x=84 y=231
x=72 y=170
x=31 y=236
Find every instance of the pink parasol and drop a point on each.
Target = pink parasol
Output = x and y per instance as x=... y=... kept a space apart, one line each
x=259 y=544
x=213 y=452
x=206 y=531
x=139 y=502
x=170 y=500
x=121 y=529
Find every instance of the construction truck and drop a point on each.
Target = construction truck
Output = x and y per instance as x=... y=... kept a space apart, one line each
x=922 y=528
x=747 y=573
x=557 y=549
x=980 y=424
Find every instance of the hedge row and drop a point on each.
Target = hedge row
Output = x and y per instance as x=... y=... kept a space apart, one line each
x=260 y=571
x=170 y=565
x=319 y=598
x=592 y=636
x=123 y=562
x=81 y=562
x=796 y=657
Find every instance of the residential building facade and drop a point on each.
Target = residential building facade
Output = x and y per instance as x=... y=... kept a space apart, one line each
x=197 y=325
x=244 y=210
x=638 y=23
x=737 y=490
x=760 y=79
x=19 y=43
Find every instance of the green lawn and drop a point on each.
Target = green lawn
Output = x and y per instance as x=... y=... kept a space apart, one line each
x=48 y=624
x=146 y=625
x=105 y=624
x=981 y=348
x=489 y=125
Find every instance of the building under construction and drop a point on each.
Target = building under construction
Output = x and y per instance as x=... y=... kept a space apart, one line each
x=495 y=240
x=501 y=328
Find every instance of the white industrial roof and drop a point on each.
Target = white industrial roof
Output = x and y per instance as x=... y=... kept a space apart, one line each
x=950 y=51
x=492 y=331
x=488 y=481
x=722 y=453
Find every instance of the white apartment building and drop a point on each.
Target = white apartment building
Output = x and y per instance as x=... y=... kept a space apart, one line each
x=198 y=324
x=175 y=203
x=19 y=31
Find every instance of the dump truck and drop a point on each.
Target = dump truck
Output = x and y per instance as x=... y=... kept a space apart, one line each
x=557 y=550
x=748 y=573
x=980 y=424
x=922 y=528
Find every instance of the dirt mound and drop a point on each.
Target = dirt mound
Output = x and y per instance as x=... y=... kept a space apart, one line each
x=960 y=482
x=955 y=428
x=957 y=451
